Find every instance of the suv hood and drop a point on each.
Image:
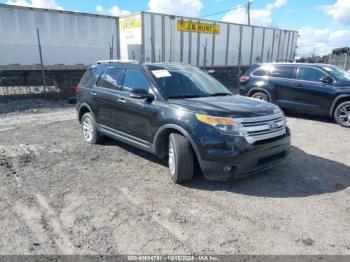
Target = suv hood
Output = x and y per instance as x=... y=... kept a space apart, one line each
x=229 y=106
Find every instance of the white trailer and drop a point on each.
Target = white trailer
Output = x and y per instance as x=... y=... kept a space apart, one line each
x=154 y=37
x=67 y=38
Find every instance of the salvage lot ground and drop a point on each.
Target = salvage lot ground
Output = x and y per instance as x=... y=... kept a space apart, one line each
x=59 y=195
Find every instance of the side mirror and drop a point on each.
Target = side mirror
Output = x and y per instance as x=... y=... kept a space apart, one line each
x=327 y=80
x=141 y=94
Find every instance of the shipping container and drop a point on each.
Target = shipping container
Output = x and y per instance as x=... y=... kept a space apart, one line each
x=154 y=37
x=67 y=38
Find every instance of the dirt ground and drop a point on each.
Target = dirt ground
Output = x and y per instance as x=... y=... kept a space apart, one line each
x=59 y=195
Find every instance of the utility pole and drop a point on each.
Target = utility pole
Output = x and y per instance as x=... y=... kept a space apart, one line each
x=250 y=2
x=41 y=63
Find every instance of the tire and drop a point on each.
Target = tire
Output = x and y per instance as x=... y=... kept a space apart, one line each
x=89 y=131
x=180 y=158
x=260 y=96
x=341 y=114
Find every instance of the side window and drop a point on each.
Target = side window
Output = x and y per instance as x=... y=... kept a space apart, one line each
x=310 y=74
x=261 y=71
x=135 y=79
x=86 y=77
x=283 y=72
x=112 y=78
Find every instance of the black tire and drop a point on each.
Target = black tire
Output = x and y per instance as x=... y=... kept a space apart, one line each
x=341 y=114
x=261 y=96
x=182 y=168
x=91 y=135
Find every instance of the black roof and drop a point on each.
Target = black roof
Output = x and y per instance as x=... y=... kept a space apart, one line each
x=297 y=64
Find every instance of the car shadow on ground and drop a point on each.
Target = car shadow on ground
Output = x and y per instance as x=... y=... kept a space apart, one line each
x=300 y=175
x=309 y=117
x=136 y=151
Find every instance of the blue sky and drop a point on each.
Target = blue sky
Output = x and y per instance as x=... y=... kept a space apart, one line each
x=322 y=24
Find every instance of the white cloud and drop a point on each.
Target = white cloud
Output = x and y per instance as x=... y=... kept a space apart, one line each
x=276 y=4
x=257 y=17
x=114 y=11
x=262 y=17
x=49 y=4
x=179 y=7
x=100 y=9
x=340 y=11
x=322 y=40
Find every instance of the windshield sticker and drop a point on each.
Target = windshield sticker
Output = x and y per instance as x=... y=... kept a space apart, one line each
x=328 y=69
x=161 y=73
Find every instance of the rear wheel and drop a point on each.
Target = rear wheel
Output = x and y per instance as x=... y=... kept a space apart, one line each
x=342 y=114
x=89 y=131
x=260 y=96
x=180 y=158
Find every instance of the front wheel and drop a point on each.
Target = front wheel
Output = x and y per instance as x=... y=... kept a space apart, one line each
x=260 y=96
x=180 y=158
x=342 y=114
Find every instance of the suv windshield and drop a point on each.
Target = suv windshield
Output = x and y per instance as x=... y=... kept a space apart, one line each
x=337 y=72
x=189 y=83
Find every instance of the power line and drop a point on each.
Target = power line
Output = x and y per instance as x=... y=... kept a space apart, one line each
x=226 y=11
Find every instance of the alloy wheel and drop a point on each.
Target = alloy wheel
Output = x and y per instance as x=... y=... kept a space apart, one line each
x=344 y=114
x=88 y=129
x=171 y=159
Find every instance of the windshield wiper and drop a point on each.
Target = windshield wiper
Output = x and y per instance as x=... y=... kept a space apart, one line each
x=185 y=96
x=221 y=94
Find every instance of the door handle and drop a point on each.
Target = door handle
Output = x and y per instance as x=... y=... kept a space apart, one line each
x=121 y=100
x=93 y=93
x=299 y=85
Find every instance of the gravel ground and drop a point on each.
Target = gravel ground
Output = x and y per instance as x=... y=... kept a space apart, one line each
x=59 y=195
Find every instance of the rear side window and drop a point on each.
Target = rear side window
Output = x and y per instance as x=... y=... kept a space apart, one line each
x=261 y=71
x=135 y=79
x=112 y=78
x=286 y=72
x=310 y=74
x=87 y=78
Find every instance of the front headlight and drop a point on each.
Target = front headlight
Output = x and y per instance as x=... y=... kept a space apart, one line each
x=224 y=124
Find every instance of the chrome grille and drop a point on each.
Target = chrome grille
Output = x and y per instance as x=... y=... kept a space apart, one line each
x=262 y=128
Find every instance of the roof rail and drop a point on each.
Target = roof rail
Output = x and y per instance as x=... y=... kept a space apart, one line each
x=117 y=61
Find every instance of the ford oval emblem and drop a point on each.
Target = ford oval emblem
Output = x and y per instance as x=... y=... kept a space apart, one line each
x=273 y=126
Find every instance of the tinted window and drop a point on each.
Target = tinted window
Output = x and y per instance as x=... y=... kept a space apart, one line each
x=188 y=82
x=261 y=71
x=135 y=79
x=283 y=72
x=111 y=78
x=337 y=72
x=85 y=79
x=310 y=74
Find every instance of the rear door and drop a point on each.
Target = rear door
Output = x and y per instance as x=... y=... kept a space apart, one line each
x=313 y=95
x=282 y=79
x=107 y=96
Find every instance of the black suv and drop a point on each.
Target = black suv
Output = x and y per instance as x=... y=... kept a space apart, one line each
x=317 y=89
x=182 y=113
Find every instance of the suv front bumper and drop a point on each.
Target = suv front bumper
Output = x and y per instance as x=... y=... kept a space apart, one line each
x=251 y=160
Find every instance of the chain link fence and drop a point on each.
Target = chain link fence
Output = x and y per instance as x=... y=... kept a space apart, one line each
x=16 y=84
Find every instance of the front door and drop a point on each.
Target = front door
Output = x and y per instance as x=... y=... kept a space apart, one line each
x=313 y=95
x=138 y=116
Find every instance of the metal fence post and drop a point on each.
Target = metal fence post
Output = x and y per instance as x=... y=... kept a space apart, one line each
x=41 y=63
x=346 y=61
